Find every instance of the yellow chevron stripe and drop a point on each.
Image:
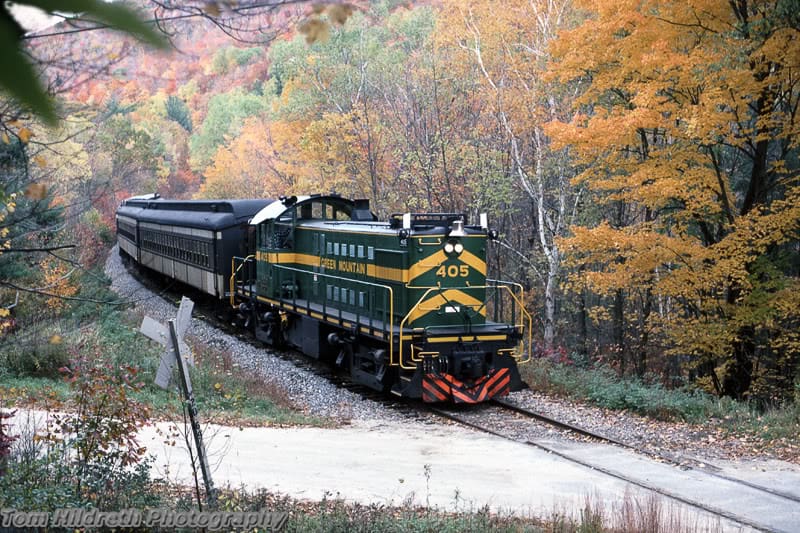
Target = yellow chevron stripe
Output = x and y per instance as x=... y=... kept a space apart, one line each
x=435 y=303
x=424 y=266
x=474 y=261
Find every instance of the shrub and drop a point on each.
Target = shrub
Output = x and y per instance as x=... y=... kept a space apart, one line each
x=34 y=352
x=89 y=457
x=601 y=386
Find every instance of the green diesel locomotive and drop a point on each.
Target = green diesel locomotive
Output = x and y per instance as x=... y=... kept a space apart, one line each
x=404 y=304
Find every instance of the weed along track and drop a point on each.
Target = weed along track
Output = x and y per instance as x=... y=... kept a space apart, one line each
x=703 y=487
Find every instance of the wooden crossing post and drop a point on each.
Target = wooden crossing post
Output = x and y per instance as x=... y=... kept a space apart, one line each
x=188 y=395
x=176 y=351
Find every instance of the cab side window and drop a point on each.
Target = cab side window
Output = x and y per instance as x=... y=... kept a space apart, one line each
x=283 y=231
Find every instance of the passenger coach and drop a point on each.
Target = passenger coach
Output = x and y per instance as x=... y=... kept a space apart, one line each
x=191 y=241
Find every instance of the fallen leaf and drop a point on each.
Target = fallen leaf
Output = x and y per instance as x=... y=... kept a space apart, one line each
x=25 y=135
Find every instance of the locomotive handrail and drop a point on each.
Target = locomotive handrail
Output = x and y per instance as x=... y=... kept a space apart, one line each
x=520 y=302
x=519 y=299
x=517 y=286
x=498 y=285
x=358 y=316
x=234 y=271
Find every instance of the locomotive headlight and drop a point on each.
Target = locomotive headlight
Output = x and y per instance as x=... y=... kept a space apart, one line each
x=453 y=247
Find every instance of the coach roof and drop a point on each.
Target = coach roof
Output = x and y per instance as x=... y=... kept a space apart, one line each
x=204 y=214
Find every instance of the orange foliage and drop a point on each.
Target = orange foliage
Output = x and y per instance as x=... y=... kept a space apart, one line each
x=57 y=276
x=687 y=122
x=248 y=166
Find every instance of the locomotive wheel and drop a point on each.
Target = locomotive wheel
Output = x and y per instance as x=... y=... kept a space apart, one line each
x=274 y=333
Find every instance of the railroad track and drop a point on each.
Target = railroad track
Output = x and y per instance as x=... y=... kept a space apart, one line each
x=681 y=460
x=493 y=412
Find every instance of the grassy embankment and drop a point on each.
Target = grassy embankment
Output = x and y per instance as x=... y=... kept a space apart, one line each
x=770 y=427
x=34 y=358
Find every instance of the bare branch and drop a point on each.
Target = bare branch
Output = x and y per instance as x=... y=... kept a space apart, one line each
x=30 y=250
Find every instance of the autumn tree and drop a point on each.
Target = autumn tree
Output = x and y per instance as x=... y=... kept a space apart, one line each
x=505 y=51
x=384 y=117
x=250 y=166
x=126 y=157
x=327 y=86
x=224 y=119
x=688 y=130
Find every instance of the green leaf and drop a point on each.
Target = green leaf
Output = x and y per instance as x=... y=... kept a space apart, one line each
x=19 y=79
x=115 y=15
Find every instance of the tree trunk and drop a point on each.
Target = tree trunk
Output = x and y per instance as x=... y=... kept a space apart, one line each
x=618 y=330
x=550 y=302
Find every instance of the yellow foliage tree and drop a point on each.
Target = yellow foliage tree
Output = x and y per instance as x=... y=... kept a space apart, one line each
x=508 y=48
x=58 y=283
x=249 y=167
x=688 y=133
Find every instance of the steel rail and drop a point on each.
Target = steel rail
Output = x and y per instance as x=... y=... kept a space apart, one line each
x=549 y=449
x=678 y=459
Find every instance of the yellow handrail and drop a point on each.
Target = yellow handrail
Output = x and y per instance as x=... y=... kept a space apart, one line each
x=358 y=282
x=235 y=271
x=505 y=286
x=519 y=301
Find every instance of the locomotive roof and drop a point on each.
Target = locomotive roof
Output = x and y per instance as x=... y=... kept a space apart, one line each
x=362 y=219
x=278 y=207
x=204 y=214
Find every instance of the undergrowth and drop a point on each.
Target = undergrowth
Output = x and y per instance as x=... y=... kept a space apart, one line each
x=34 y=358
x=631 y=514
x=601 y=386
